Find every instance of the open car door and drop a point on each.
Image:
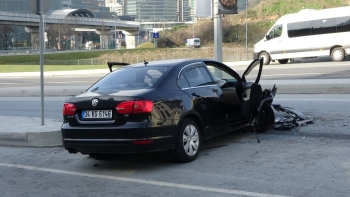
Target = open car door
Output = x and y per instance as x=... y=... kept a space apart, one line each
x=252 y=91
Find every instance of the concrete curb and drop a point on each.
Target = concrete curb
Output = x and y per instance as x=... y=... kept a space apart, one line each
x=31 y=139
x=27 y=132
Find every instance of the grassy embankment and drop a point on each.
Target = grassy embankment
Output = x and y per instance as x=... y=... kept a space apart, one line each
x=260 y=19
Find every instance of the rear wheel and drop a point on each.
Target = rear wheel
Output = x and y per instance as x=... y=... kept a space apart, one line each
x=338 y=54
x=266 y=118
x=266 y=57
x=188 y=142
x=283 y=61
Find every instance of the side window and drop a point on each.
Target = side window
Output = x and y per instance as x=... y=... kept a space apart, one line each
x=325 y=26
x=343 y=24
x=278 y=31
x=182 y=82
x=275 y=32
x=299 y=29
x=219 y=74
x=198 y=76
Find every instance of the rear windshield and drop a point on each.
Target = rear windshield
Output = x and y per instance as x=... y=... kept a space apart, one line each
x=129 y=78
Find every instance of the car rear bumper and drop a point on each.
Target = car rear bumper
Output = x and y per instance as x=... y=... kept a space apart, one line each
x=125 y=139
x=109 y=146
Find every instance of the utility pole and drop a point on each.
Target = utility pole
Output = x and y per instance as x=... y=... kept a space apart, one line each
x=246 y=28
x=217 y=32
x=115 y=29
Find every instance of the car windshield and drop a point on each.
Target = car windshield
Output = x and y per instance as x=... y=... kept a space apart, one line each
x=130 y=78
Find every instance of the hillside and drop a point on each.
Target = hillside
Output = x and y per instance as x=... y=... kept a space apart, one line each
x=261 y=16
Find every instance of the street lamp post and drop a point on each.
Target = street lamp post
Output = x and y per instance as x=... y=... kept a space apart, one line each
x=115 y=30
x=115 y=25
x=246 y=28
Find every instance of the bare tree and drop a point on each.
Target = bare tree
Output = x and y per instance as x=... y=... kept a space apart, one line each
x=5 y=32
x=59 y=36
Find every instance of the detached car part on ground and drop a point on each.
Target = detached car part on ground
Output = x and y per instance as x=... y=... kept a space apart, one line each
x=293 y=119
x=164 y=105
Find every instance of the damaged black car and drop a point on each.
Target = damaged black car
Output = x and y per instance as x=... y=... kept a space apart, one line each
x=165 y=105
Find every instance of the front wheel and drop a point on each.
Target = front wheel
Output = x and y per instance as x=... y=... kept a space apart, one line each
x=266 y=118
x=266 y=57
x=338 y=54
x=188 y=142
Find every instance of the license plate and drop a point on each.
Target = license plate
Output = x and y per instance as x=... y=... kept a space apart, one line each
x=96 y=114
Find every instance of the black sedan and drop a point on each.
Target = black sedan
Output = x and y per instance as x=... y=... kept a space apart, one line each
x=164 y=105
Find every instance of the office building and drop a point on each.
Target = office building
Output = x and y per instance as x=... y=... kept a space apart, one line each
x=152 y=10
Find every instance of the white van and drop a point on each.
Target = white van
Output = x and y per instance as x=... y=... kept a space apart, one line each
x=308 y=33
x=193 y=42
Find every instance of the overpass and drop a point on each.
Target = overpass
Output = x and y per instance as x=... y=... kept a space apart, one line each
x=79 y=19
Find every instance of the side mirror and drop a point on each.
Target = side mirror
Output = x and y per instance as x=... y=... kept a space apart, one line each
x=267 y=37
x=220 y=82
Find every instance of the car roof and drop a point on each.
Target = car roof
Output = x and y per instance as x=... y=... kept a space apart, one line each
x=170 y=63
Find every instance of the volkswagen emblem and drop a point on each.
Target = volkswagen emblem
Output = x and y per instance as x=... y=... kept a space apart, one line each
x=94 y=102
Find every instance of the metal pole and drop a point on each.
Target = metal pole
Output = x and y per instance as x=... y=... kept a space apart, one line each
x=138 y=34
x=246 y=28
x=154 y=23
x=193 y=30
x=115 y=30
x=217 y=33
x=41 y=35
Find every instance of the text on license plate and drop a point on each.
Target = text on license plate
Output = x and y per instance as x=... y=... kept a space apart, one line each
x=96 y=114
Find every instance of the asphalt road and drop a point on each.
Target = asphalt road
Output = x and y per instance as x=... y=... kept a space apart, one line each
x=274 y=71
x=231 y=165
x=325 y=77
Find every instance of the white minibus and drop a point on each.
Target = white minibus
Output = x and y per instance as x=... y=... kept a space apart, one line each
x=308 y=33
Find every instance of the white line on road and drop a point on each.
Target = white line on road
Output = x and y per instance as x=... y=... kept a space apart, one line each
x=61 y=82
x=141 y=181
x=332 y=99
x=298 y=74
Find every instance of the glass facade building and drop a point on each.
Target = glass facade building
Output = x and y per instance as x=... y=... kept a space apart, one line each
x=152 y=10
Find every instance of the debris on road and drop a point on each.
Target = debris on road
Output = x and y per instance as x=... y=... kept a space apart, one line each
x=293 y=119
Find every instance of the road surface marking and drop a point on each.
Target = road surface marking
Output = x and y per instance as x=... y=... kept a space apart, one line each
x=67 y=81
x=298 y=74
x=141 y=181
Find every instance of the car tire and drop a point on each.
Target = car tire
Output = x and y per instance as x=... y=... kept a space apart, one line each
x=266 y=57
x=266 y=118
x=283 y=61
x=338 y=54
x=188 y=142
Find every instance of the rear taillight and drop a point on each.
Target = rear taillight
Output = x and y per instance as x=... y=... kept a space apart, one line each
x=134 y=107
x=69 y=109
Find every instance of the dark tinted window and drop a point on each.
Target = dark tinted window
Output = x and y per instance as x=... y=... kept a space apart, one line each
x=299 y=29
x=198 y=76
x=182 y=82
x=343 y=24
x=130 y=78
x=323 y=26
x=317 y=27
